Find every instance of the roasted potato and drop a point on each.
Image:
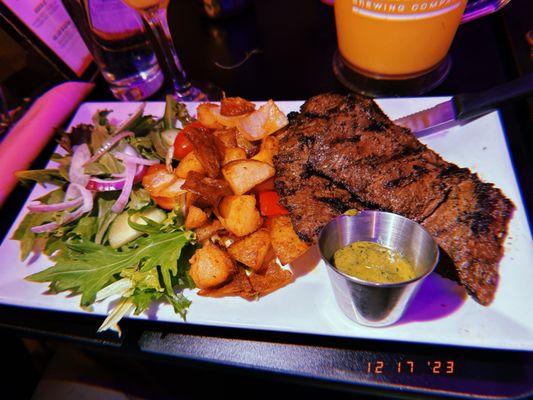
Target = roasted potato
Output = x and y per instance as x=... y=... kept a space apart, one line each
x=209 y=116
x=204 y=113
x=239 y=214
x=233 y=154
x=262 y=122
x=285 y=242
x=270 y=278
x=196 y=217
x=269 y=148
x=243 y=175
x=252 y=249
x=233 y=106
x=239 y=285
x=209 y=229
x=189 y=163
x=228 y=136
x=211 y=266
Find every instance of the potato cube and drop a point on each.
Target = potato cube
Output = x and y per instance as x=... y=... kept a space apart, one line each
x=211 y=266
x=196 y=217
x=209 y=229
x=239 y=214
x=243 y=175
x=206 y=115
x=285 y=242
x=269 y=148
x=189 y=163
x=252 y=249
x=233 y=154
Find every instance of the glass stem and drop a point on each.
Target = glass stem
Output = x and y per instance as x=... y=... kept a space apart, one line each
x=157 y=20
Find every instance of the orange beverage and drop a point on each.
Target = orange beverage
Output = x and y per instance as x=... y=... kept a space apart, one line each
x=145 y=4
x=396 y=39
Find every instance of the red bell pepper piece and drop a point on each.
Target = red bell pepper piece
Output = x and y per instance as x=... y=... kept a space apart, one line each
x=269 y=204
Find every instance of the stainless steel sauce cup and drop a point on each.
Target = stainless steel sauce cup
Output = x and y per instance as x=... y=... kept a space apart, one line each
x=370 y=303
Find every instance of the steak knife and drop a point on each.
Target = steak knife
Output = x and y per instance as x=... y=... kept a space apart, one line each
x=463 y=107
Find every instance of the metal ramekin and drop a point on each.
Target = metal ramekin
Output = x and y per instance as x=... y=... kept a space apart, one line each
x=369 y=303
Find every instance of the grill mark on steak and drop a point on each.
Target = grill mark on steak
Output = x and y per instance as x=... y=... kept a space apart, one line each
x=375 y=164
x=311 y=199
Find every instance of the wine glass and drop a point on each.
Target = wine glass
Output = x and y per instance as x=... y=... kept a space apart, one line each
x=154 y=12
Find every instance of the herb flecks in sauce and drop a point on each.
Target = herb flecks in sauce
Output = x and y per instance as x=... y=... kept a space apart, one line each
x=374 y=263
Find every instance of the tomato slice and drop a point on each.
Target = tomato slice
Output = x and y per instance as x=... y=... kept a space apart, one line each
x=157 y=178
x=166 y=203
x=269 y=204
x=182 y=145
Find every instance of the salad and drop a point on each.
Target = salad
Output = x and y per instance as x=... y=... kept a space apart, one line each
x=148 y=207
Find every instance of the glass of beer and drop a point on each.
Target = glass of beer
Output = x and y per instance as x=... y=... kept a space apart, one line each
x=399 y=47
x=154 y=12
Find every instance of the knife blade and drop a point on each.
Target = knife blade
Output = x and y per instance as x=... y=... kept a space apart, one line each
x=463 y=107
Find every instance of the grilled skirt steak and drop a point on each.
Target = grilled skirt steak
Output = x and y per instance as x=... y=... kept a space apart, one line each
x=311 y=199
x=385 y=167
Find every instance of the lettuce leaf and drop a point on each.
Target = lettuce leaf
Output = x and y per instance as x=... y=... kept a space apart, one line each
x=51 y=175
x=23 y=233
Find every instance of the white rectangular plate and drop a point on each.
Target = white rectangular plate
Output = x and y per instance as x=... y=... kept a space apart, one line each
x=441 y=313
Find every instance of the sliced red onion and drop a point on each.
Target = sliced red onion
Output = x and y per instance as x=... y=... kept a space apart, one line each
x=106 y=185
x=86 y=206
x=76 y=174
x=135 y=159
x=107 y=145
x=49 y=227
x=168 y=159
x=42 y=208
x=86 y=195
x=126 y=190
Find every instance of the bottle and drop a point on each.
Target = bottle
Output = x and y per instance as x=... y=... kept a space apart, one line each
x=120 y=46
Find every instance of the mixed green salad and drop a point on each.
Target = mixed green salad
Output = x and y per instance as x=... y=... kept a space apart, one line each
x=102 y=230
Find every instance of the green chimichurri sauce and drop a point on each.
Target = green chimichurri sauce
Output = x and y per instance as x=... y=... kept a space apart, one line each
x=373 y=263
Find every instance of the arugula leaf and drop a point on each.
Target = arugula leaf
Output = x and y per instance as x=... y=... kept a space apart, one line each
x=88 y=267
x=180 y=303
x=85 y=228
x=23 y=233
x=52 y=176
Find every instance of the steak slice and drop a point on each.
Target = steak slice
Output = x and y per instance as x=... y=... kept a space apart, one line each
x=312 y=200
x=350 y=141
x=470 y=226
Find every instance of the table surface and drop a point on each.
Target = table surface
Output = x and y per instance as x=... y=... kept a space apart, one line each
x=294 y=44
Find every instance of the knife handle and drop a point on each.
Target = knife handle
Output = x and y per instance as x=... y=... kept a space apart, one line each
x=473 y=104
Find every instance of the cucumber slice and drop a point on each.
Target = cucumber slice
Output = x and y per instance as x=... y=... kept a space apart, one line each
x=121 y=232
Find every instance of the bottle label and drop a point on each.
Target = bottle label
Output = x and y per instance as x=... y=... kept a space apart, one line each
x=404 y=9
x=50 y=22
